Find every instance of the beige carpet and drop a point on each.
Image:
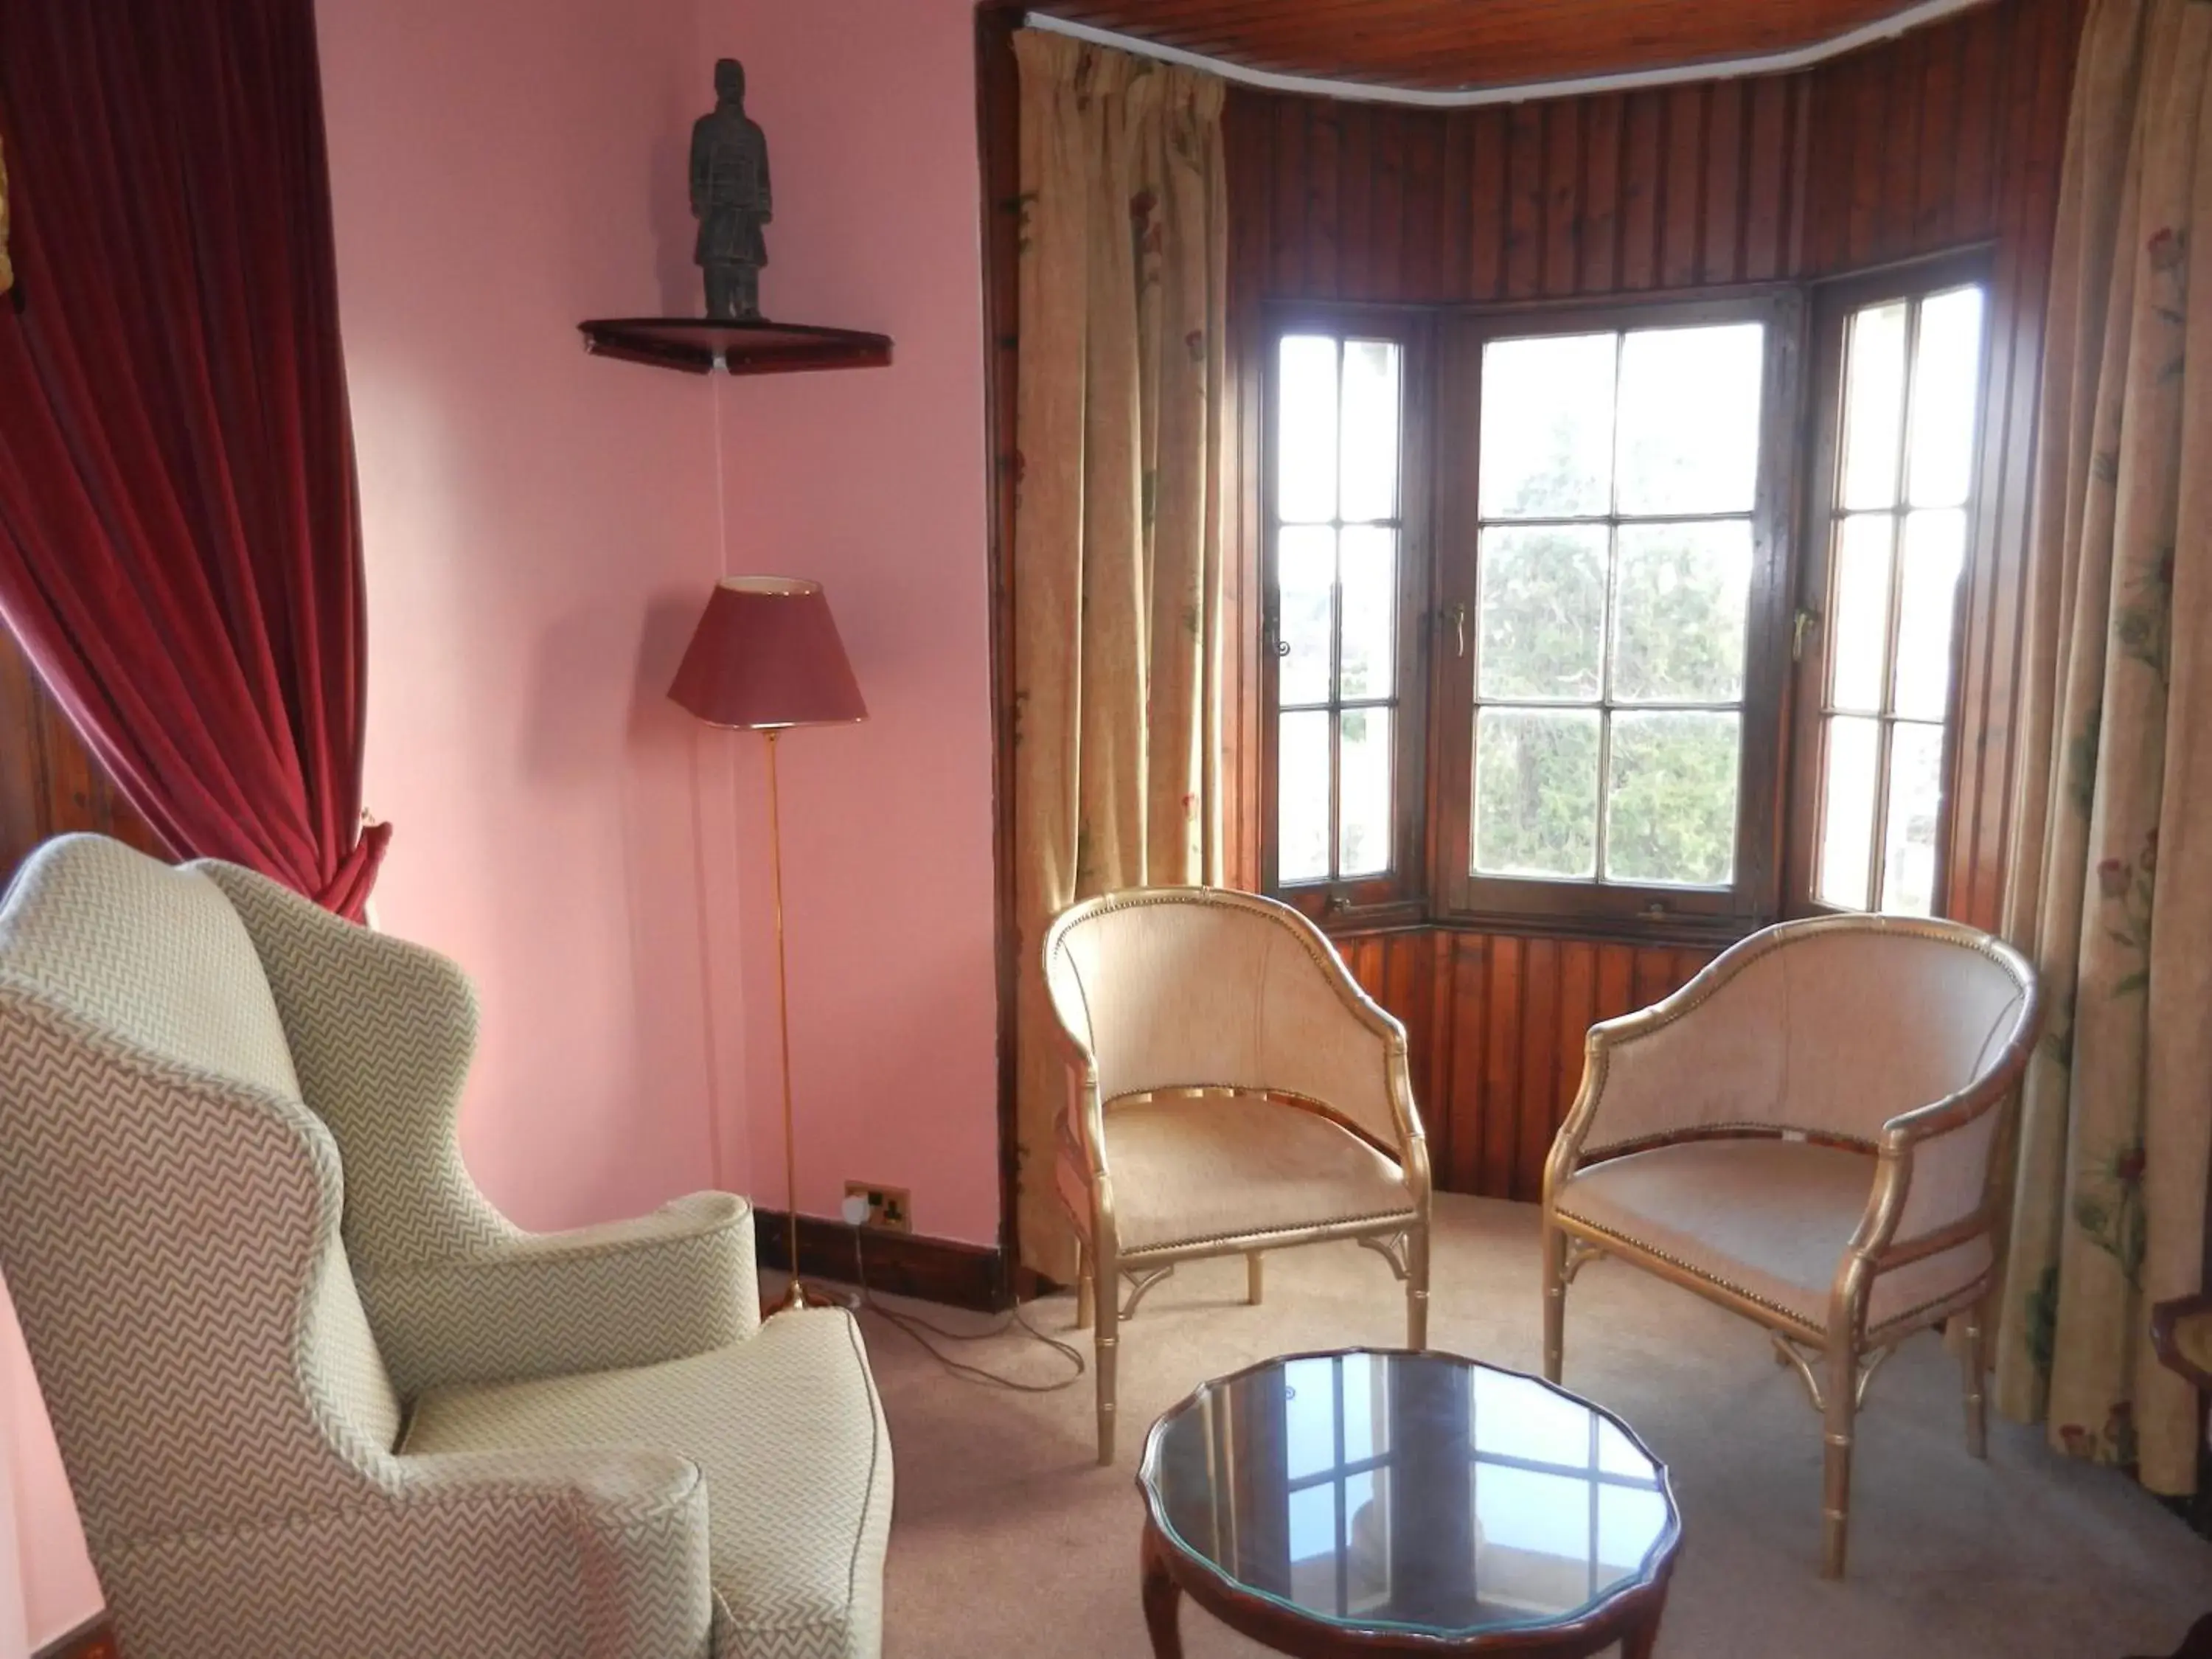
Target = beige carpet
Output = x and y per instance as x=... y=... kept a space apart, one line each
x=1009 y=1541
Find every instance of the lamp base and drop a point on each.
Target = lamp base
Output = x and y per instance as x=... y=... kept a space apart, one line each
x=799 y=1296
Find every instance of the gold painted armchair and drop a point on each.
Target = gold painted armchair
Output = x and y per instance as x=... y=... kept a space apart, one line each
x=1231 y=1090
x=1804 y=1133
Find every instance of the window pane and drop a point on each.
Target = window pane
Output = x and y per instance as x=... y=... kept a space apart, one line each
x=1312 y=1542
x=1915 y=797
x=1371 y=429
x=1847 y=813
x=1535 y=791
x=1629 y=1523
x=1689 y=418
x=1874 y=404
x=1301 y=797
x=1305 y=569
x=1672 y=816
x=1370 y=575
x=1946 y=377
x=1305 y=441
x=1548 y=427
x=1934 y=552
x=1542 y=612
x=1858 y=630
x=1363 y=814
x=1679 y=621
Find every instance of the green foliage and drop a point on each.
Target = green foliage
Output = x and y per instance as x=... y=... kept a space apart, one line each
x=1535 y=791
x=1673 y=816
x=1677 y=634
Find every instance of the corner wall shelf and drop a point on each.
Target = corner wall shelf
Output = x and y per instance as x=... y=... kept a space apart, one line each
x=698 y=346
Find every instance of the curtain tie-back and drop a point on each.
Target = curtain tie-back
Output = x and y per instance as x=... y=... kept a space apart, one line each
x=346 y=893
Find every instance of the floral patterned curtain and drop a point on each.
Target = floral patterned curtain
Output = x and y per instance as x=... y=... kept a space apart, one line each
x=1117 y=566
x=2111 y=883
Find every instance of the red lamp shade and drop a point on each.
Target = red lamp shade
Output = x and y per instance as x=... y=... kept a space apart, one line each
x=766 y=654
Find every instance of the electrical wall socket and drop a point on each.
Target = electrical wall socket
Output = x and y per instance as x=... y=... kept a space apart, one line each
x=891 y=1209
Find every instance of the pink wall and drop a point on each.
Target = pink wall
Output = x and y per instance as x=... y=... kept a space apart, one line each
x=541 y=530
x=875 y=482
x=47 y=1587
x=538 y=525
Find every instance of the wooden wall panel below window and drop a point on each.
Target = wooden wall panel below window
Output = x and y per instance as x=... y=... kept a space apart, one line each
x=1494 y=1028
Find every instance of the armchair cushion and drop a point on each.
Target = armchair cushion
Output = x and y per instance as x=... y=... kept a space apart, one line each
x=1219 y=1167
x=1768 y=1219
x=799 y=1489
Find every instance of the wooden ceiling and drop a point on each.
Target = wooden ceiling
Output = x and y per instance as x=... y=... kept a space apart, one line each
x=1453 y=44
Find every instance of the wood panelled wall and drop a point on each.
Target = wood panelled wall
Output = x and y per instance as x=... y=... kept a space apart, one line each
x=1948 y=137
x=49 y=781
x=1494 y=1024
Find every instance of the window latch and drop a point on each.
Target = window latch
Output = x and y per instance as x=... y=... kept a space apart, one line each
x=1808 y=620
x=1454 y=616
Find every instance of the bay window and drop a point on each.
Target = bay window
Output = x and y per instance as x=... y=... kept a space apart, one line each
x=1530 y=622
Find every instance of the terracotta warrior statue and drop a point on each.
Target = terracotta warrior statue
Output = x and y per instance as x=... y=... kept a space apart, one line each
x=729 y=199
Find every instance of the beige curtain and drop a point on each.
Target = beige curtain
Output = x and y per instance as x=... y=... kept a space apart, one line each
x=1117 y=567
x=2111 y=886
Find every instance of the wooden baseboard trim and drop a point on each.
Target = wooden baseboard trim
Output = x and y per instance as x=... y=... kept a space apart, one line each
x=904 y=1264
x=93 y=1639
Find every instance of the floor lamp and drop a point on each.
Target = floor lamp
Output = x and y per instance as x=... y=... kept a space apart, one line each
x=765 y=658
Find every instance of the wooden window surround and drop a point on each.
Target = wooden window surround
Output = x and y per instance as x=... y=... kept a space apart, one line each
x=1915 y=622
x=1781 y=707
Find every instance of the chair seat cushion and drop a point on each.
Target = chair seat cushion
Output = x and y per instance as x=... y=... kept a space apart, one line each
x=1768 y=1219
x=1191 y=1169
x=786 y=1427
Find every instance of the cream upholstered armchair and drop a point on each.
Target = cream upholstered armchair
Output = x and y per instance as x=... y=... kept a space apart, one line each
x=317 y=1398
x=1804 y=1134
x=1231 y=1090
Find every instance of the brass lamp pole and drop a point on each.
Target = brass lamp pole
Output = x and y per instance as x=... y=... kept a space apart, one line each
x=766 y=657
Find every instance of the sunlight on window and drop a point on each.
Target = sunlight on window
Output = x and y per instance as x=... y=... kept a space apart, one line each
x=1619 y=475
x=1854 y=773
x=1897 y=554
x=1548 y=427
x=1334 y=607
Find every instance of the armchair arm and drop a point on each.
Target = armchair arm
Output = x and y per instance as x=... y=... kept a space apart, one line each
x=662 y=1286
x=2181 y=1335
x=599 y=1552
x=1935 y=1187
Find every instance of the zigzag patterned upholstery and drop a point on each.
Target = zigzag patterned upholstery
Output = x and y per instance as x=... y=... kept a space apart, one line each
x=188 y=1060
x=788 y=1592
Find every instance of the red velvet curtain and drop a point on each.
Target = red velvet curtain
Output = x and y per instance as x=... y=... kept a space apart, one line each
x=180 y=534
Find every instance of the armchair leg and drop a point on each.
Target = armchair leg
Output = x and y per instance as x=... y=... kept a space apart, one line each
x=1084 y=1290
x=1254 y=1277
x=1106 y=1308
x=1417 y=1286
x=1973 y=1360
x=1555 y=1298
x=1839 y=1413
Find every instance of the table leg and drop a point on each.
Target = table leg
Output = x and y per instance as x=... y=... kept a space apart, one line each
x=1640 y=1642
x=1162 y=1596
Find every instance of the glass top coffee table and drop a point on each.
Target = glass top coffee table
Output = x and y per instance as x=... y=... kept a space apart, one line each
x=1378 y=1502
